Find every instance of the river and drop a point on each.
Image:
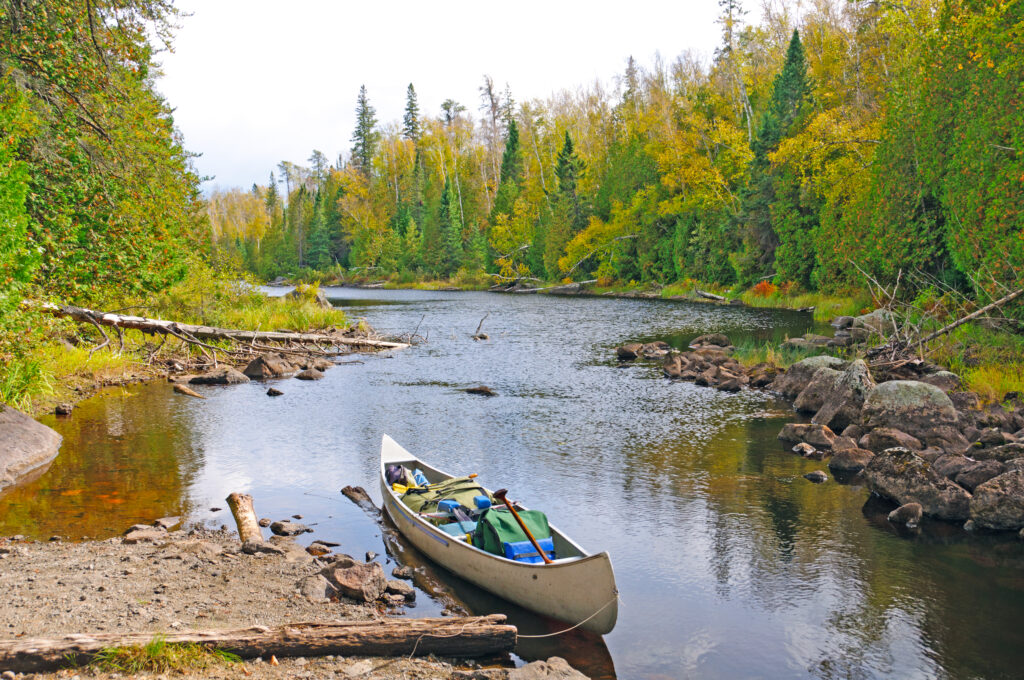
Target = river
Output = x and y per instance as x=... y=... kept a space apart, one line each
x=729 y=563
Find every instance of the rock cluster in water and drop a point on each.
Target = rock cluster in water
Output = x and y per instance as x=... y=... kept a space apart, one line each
x=916 y=438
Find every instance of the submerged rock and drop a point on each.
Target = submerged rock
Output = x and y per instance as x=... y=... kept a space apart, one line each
x=223 y=376
x=816 y=477
x=289 y=528
x=908 y=514
x=850 y=460
x=268 y=366
x=310 y=374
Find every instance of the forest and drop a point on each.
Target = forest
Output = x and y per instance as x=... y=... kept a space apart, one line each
x=832 y=143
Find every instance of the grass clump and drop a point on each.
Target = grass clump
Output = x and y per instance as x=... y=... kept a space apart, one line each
x=751 y=353
x=161 y=656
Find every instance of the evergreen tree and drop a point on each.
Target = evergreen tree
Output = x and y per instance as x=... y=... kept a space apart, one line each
x=411 y=119
x=365 y=137
x=511 y=173
x=450 y=221
x=568 y=214
x=411 y=258
x=790 y=94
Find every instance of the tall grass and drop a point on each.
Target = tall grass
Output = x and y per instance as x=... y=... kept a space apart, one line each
x=751 y=353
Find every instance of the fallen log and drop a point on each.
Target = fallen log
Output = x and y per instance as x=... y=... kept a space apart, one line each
x=708 y=296
x=245 y=517
x=194 y=333
x=456 y=637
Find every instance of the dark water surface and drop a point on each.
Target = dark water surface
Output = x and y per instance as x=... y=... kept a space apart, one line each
x=729 y=563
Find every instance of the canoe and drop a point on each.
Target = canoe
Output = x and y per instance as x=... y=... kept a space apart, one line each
x=576 y=587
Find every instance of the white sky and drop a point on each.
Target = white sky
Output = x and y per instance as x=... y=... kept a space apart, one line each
x=258 y=82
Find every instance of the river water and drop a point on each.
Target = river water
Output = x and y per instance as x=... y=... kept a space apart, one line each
x=729 y=563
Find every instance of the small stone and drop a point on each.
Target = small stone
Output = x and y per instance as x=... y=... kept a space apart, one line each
x=817 y=477
x=167 y=522
x=909 y=514
x=54 y=539
x=310 y=374
x=402 y=572
x=969 y=525
x=289 y=528
x=265 y=522
x=216 y=509
x=804 y=449
x=403 y=589
x=482 y=390
x=317 y=550
x=274 y=392
x=296 y=516
x=63 y=409
x=370 y=556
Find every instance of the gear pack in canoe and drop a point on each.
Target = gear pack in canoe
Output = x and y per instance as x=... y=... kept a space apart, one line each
x=462 y=508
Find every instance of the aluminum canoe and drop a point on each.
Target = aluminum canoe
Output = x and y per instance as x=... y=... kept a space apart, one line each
x=576 y=587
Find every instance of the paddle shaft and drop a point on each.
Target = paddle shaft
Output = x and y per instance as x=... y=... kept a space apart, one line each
x=500 y=495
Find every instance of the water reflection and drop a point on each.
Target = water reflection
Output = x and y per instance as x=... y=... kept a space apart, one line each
x=729 y=563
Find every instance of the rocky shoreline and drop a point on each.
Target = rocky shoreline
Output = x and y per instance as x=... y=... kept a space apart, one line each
x=905 y=429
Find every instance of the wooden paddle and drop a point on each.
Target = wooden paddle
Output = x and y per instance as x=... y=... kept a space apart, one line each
x=500 y=495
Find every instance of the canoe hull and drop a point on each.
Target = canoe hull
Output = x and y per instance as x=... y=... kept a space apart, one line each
x=571 y=590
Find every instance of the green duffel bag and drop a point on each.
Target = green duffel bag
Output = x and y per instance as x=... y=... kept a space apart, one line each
x=495 y=528
x=460 y=489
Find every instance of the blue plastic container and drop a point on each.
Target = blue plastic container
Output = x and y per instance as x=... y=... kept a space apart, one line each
x=482 y=502
x=448 y=505
x=420 y=478
x=523 y=551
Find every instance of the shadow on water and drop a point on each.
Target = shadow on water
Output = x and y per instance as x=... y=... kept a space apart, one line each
x=729 y=563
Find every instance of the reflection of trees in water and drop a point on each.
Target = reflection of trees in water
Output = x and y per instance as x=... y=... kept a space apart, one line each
x=126 y=458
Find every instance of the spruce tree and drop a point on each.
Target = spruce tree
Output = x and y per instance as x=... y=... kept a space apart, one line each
x=411 y=119
x=450 y=221
x=568 y=215
x=365 y=136
x=790 y=94
x=511 y=173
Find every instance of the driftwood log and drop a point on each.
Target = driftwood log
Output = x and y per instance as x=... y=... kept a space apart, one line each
x=458 y=637
x=708 y=296
x=192 y=332
x=245 y=517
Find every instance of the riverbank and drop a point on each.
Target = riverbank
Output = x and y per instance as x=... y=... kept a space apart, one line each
x=195 y=579
x=907 y=427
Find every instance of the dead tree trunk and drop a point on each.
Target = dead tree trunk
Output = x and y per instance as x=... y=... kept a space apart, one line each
x=245 y=517
x=458 y=637
x=193 y=333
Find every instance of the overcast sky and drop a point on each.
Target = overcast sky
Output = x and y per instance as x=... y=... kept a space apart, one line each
x=258 y=82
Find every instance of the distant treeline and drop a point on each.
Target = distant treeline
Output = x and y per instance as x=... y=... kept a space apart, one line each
x=883 y=134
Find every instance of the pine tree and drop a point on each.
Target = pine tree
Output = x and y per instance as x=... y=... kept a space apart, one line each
x=568 y=215
x=790 y=94
x=365 y=137
x=411 y=119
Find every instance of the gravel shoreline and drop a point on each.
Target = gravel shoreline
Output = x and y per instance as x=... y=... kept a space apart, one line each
x=195 y=579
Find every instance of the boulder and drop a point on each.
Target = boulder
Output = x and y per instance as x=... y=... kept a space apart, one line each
x=732 y=384
x=555 y=668
x=401 y=571
x=949 y=465
x=999 y=502
x=903 y=477
x=672 y=367
x=879 y=321
x=268 y=366
x=841 y=322
x=402 y=588
x=883 y=438
x=979 y=472
x=316 y=294
x=921 y=410
x=1000 y=453
x=854 y=432
x=711 y=339
x=991 y=436
x=843 y=444
x=362 y=581
x=908 y=514
x=850 y=460
x=944 y=380
x=25 y=445
x=652 y=350
x=844 y=398
x=316 y=588
x=628 y=352
x=804 y=449
x=965 y=401
x=223 y=376
x=794 y=380
x=289 y=528
x=762 y=375
x=812 y=397
x=931 y=454
x=310 y=374
x=818 y=436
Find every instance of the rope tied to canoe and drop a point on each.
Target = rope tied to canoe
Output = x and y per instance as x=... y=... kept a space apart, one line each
x=562 y=632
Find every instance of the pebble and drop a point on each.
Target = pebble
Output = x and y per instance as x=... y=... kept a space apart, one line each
x=370 y=555
x=817 y=477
